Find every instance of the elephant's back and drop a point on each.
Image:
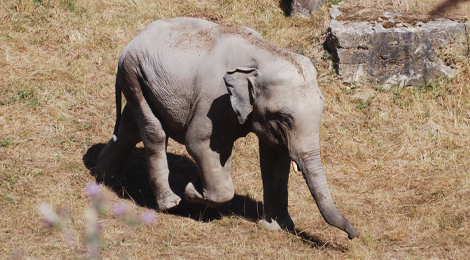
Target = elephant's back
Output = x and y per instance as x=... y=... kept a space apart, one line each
x=178 y=34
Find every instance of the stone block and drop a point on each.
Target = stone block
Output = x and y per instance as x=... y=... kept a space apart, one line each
x=384 y=48
x=303 y=7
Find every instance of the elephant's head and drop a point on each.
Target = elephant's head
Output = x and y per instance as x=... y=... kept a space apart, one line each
x=285 y=104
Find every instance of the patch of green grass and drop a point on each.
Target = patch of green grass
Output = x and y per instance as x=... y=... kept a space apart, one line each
x=335 y=2
x=367 y=238
x=7 y=198
x=436 y=88
x=9 y=180
x=27 y=94
x=361 y=104
x=72 y=6
x=5 y=143
x=5 y=37
x=360 y=155
x=18 y=22
x=327 y=55
x=379 y=88
x=404 y=96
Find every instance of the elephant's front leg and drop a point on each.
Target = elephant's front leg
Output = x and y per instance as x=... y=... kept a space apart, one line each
x=275 y=166
x=213 y=157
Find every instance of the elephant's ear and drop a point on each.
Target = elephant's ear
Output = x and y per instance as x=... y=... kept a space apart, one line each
x=240 y=83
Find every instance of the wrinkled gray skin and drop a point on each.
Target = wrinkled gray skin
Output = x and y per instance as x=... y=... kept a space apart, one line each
x=205 y=85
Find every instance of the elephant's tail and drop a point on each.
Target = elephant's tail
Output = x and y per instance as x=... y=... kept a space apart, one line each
x=118 y=106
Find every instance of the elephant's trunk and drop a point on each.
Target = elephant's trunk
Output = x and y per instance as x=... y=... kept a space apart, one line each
x=312 y=170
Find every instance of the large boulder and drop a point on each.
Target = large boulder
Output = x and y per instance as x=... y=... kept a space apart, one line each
x=302 y=7
x=385 y=48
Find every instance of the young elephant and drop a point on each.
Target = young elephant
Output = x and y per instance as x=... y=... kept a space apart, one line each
x=205 y=85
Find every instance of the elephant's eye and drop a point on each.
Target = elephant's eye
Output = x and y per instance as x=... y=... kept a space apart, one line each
x=285 y=120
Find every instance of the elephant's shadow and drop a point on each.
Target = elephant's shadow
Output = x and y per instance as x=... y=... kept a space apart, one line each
x=183 y=170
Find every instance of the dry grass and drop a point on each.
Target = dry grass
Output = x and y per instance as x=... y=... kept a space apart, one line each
x=397 y=160
x=453 y=8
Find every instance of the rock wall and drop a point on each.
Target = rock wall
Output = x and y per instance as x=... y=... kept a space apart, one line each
x=384 y=48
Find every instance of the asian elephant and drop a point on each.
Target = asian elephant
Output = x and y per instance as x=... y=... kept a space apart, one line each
x=206 y=85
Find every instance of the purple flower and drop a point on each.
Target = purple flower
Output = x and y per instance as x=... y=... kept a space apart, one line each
x=148 y=217
x=119 y=209
x=51 y=218
x=92 y=235
x=92 y=189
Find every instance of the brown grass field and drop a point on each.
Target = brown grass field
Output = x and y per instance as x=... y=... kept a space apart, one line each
x=397 y=160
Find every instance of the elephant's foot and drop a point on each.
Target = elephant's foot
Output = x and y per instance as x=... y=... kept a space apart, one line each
x=218 y=199
x=278 y=223
x=167 y=200
x=192 y=195
x=104 y=176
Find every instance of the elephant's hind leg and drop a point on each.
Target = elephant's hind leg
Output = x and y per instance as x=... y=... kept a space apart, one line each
x=155 y=142
x=112 y=157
